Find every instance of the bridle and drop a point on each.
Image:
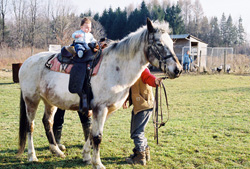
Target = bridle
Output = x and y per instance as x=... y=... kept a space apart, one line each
x=157 y=108
x=152 y=46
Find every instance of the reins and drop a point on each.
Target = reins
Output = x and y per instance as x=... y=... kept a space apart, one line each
x=156 y=115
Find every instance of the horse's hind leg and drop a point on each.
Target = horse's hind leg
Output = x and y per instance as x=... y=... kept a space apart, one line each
x=31 y=107
x=48 y=121
x=99 y=118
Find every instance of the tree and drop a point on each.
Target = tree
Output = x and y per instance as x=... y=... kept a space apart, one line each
x=198 y=14
x=241 y=32
x=223 y=28
x=33 y=17
x=143 y=14
x=186 y=10
x=231 y=33
x=204 y=29
x=118 y=28
x=174 y=18
x=214 y=35
x=3 y=10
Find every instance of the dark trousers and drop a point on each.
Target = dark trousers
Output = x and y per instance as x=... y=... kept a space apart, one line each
x=137 y=129
x=59 y=118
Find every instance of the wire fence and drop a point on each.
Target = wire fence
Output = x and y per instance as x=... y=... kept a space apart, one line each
x=217 y=59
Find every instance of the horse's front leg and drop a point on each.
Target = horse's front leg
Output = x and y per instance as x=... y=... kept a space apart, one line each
x=99 y=118
x=48 y=121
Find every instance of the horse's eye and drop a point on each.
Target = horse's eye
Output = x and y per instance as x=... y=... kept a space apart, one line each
x=159 y=44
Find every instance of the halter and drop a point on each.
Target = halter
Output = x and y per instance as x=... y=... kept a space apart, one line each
x=153 y=47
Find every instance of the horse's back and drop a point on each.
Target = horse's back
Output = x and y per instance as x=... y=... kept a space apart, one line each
x=30 y=71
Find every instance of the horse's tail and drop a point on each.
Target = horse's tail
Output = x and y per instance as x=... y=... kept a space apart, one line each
x=23 y=126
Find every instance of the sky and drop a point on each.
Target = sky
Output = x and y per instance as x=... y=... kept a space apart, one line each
x=237 y=8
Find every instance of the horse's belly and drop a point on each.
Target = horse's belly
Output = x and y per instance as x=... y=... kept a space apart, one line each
x=55 y=91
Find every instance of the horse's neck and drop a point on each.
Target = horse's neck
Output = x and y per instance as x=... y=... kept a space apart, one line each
x=131 y=68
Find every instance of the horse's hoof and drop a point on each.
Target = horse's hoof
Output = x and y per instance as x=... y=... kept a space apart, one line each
x=100 y=166
x=33 y=159
x=61 y=147
x=86 y=158
x=88 y=162
x=62 y=155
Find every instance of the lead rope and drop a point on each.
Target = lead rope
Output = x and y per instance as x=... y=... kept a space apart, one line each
x=156 y=122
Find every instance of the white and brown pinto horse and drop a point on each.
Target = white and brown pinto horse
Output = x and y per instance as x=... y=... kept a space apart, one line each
x=122 y=64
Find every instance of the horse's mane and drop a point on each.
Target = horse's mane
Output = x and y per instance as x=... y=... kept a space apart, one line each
x=134 y=41
x=130 y=43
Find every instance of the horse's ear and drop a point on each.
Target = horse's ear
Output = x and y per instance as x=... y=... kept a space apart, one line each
x=150 y=26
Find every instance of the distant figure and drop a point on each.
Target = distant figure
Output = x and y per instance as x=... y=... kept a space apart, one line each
x=219 y=69
x=228 y=69
x=186 y=61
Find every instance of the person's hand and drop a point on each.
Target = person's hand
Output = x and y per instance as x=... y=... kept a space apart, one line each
x=79 y=35
x=89 y=113
x=124 y=106
x=158 y=81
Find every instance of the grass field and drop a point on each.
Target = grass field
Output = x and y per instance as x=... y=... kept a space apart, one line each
x=209 y=127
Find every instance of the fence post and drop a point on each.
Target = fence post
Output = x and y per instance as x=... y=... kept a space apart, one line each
x=225 y=60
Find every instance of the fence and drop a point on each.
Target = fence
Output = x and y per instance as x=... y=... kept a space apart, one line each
x=217 y=58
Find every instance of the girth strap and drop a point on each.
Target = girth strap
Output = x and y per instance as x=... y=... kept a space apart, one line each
x=156 y=115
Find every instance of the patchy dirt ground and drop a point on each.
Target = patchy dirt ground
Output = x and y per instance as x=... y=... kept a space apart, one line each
x=5 y=73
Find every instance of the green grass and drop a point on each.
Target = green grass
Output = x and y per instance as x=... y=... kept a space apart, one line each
x=209 y=127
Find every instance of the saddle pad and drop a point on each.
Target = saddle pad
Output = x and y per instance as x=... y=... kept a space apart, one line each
x=55 y=65
x=96 y=68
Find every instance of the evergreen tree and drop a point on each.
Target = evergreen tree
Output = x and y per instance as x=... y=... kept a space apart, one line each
x=96 y=17
x=214 y=38
x=223 y=28
x=241 y=32
x=157 y=13
x=118 y=28
x=103 y=18
x=174 y=18
x=231 y=33
x=143 y=14
x=133 y=21
x=204 y=30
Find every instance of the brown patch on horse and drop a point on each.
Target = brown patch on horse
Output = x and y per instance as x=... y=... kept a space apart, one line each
x=30 y=105
x=74 y=107
x=95 y=111
x=111 y=108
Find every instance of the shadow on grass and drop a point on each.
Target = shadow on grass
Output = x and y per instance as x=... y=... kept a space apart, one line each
x=6 y=83
x=9 y=159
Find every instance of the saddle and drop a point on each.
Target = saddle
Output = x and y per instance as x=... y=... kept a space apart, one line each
x=80 y=70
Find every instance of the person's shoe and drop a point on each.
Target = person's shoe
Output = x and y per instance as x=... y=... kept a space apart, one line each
x=137 y=158
x=147 y=153
x=80 y=53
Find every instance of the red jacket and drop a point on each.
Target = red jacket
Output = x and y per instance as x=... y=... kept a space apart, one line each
x=148 y=78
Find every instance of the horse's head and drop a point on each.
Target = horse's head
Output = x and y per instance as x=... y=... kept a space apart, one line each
x=160 y=51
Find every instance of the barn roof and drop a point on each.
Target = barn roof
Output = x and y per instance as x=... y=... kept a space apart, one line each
x=184 y=36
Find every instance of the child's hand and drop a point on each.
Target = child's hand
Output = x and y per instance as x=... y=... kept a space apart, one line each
x=158 y=81
x=79 y=35
x=124 y=106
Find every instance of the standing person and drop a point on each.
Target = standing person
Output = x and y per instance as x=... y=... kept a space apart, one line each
x=83 y=37
x=142 y=98
x=58 y=125
x=186 y=61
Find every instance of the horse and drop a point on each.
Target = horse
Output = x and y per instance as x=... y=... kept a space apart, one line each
x=122 y=64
